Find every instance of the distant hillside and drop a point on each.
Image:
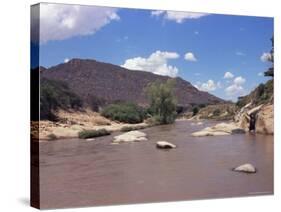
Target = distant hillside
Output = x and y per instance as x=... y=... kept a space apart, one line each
x=105 y=83
x=262 y=94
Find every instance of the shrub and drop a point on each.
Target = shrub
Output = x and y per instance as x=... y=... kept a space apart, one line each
x=131 y=128
x=126 y=129
x=195 y=110
x=52 y=136
x=56 y=94
x=217 y=112
x=124 y=112
x=93 y=133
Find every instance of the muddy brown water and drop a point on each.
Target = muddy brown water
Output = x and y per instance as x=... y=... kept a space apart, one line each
x=75 y=173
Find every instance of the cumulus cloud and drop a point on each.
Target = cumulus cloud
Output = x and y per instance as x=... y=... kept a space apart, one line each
x=156 y=63
x=228 y=75
x=239 y=80
x=189 y=56
x=178 y=17
x=60 y=21
x=210 y=85
x=236 y=88
x=265 y=57
x=66 y=60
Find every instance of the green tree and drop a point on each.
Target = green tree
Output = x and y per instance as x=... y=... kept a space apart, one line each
x=162 y=101
x=270 y=71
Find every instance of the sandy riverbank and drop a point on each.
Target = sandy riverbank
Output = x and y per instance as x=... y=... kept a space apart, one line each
x=71 y=123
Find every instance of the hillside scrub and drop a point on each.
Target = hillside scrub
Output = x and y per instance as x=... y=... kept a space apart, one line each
x=124 y=112
x=260 y=95
x=56 y=94
x=162 y=101
x=218 y=112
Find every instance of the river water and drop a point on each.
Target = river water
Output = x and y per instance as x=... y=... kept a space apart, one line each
x=76 y=173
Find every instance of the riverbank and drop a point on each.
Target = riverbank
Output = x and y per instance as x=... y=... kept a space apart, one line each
x=72 y=122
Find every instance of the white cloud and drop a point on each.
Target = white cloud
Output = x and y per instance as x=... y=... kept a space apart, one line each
x=61 y=21
x=189 y=56
x=219 y=85
x=210 y=85
x=66 y=60
x=157 y=12
x=236 y=88
x=265 y=57
x=260 y=74
x=196 y=32
x=156 y=63
x=239 y=80
x=228 y=75
x=178 y=17
x=238 y=53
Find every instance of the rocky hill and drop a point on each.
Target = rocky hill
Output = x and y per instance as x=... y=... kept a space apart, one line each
x=104 y=83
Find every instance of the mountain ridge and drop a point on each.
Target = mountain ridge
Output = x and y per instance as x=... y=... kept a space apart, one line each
x=92 y=80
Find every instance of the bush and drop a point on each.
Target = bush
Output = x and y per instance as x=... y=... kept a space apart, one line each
x=124 y=112
x=93 y=133
x=195 y=110
x=131 y=128
x=217 y=112
x=52 y=136
x=56 y=94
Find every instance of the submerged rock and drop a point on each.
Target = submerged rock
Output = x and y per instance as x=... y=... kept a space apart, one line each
x=247 y=168
x=132 y=136
x=219 y=129
x=90 y=139
x=165 y=145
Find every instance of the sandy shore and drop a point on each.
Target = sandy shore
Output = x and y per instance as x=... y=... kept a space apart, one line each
x=71 y=123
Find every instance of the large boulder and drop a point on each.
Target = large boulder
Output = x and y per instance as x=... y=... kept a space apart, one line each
x=165 y=145
x=265 y=120
x=132 y=136
x=219 y=129
x=247 y=168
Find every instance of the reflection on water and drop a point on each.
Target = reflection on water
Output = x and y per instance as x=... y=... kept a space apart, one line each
x=77 y=173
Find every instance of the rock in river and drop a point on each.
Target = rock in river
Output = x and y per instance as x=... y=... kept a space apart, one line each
x=165 y=145
x=247 y=168
x=132 y=136
x=219 y=129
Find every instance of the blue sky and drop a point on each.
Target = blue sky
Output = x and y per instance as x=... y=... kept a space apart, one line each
x=221 y=54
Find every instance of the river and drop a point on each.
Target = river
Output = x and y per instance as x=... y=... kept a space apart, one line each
x=76 y=173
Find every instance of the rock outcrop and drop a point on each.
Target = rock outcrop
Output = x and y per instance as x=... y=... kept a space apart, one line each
x=265 y=120
x=132 y=136
x=246 y=168
x=260 y=103
x=219 y=129
x=165 y=145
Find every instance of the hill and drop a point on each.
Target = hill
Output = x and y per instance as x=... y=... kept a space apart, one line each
x=102 y=83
